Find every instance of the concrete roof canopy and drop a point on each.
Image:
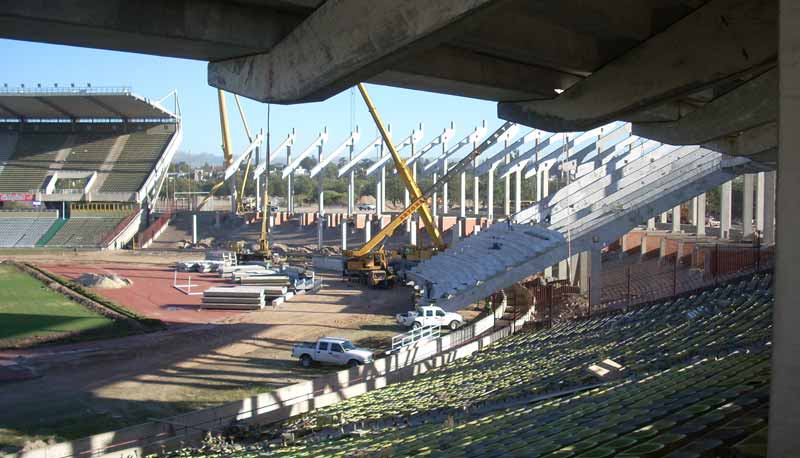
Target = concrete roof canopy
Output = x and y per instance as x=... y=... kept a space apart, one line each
x=78 y=104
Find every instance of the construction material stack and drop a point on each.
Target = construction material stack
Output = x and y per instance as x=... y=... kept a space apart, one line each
x=234 y=298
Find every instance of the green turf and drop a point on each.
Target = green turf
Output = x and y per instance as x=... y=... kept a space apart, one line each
x=31 y=312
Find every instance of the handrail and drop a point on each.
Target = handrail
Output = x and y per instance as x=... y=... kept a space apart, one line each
x=429 y=332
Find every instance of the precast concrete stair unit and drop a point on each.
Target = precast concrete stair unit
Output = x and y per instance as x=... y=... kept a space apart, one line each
x=617 y=182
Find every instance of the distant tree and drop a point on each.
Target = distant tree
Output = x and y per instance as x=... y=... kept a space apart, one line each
x=308 y=163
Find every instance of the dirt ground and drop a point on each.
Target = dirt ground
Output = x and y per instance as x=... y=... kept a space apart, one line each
x=202 y=359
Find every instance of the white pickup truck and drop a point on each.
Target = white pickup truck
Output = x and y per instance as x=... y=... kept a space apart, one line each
x=331 y=350
x=428 y=315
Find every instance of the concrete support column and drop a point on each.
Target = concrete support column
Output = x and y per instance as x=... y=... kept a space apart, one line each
x=462 y=211
x=747 y=204
x=476 y=198
x=490 y=196
x=726 y=201
x=572 y=268
x=651 y=224
x=595 y=277
x=445 y=192
x=367 y=230
x=784 y=409
x=562 y=270
x=435 y=206
x=701 y=214
x=289 y=190
x=507 y=194
x=693 y=211
x=383 y=190
x=545 y=183
x=194 y=228
x=258 y=194
x=344 y=235
x=760 y=202
x=378 y=193
x=539 y=195
x=518 y=190
x=769 y=208
x=664 y=218
x=584 y=268
x=321 y=201
x=676 y=219
x=413 y=232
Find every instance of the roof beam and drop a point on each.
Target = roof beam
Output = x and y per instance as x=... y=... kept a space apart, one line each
x=55 y=107
x=759 y=143
x=106 y=107
x=341 y=44
x=9 y=110
x=460 y=71
x=752 y=104
x=197 y=29
x=717 y=41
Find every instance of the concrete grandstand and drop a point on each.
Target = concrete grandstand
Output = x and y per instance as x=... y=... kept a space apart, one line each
x=91 y=159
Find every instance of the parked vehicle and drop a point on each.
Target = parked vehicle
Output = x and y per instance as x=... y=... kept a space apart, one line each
x=366 y=207
x=430 y=315
x=331 y=350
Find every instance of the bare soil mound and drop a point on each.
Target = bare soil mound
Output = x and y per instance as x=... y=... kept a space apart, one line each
x=112 y=281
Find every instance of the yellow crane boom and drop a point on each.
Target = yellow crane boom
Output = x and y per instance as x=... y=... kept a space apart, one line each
x=408 y=180
x=421 y=200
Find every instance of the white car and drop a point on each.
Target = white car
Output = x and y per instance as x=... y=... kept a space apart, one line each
x=430 y=315
x=366 y=207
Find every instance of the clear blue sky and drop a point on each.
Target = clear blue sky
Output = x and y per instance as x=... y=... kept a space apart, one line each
x=153 y=76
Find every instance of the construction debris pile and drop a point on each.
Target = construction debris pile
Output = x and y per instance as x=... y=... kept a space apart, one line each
x=256 y=284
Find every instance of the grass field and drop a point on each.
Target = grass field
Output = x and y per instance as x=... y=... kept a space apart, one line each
x=30 y=312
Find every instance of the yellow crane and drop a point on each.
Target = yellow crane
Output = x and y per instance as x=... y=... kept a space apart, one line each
x=372 y=264
x=263 y=251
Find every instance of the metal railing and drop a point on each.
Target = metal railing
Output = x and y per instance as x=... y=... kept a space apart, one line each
x=64 y=90
x=416 y=335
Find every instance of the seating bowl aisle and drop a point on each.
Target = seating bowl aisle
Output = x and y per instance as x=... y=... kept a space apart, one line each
x=695 y=383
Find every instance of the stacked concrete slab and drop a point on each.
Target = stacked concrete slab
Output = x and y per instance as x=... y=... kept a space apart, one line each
x=234 y=297
x=618 y=181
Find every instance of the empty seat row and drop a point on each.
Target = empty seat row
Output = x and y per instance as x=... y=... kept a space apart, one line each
x=137 y=159
x=695 y=383
x=24 y=229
